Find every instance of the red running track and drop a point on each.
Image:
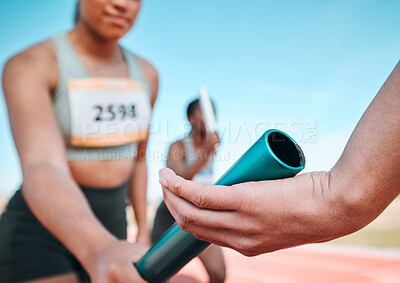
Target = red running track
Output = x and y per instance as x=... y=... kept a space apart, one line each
x=304 y=264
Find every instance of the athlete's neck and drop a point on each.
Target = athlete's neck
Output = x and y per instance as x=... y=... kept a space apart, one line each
x=91 y=44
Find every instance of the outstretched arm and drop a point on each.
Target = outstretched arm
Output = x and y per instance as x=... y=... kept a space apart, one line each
x=259 y=217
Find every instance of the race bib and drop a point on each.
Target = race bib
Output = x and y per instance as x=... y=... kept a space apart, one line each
x=107 y=112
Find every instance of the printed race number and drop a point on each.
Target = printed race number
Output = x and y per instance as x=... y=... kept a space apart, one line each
x=111 y=112
x=107 y=112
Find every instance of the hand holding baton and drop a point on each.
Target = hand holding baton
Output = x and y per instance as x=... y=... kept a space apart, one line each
x=274 y=155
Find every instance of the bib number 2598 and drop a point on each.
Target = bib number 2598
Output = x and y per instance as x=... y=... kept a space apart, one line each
x=107 y=112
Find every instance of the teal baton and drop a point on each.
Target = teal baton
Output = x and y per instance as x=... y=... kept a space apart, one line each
x=274 y=155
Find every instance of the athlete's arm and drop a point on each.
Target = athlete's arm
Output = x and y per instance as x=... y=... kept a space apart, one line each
x=259 y=217
x=139 y=179
x=176 y=161
x=177 y=155
x=48 y=187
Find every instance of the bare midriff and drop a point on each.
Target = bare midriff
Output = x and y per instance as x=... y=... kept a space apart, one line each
x=101 y=173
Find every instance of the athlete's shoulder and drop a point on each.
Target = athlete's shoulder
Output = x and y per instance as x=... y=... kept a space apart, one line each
x=36 y=55
x=38 y=60
x=148 y=68
x=150 y=73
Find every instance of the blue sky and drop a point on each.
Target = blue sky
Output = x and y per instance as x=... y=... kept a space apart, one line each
x=307 y=67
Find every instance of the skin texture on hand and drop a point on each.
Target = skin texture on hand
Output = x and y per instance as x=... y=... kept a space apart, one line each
x=249 y=217
x=259 y=217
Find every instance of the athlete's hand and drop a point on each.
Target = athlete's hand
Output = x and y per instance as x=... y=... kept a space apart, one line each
x=115 y=263
x=256 y=217
x=211 y=143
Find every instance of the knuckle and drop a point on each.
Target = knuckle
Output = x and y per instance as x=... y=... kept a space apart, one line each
x=178 y=187
x=250 y=253
x=249 y=198
x=243 y=252
x=245 y=229
x=243 y=246
x=240 y=247
x=186 y=218
x=250 y=227
x=200 y=200
x=182 y=225
x=240 y=195
x=112 y=270
x=252 y=247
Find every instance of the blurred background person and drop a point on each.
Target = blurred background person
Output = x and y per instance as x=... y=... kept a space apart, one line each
x=192 y=158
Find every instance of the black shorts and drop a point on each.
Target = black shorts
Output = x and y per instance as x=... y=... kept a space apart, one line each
x=162 y=222
x=29 y=251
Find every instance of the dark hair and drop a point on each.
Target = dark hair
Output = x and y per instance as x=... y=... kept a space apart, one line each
x=194 y=104
x=76 y=17
x=191 y=107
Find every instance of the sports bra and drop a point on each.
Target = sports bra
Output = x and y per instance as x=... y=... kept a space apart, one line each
x=100 y=118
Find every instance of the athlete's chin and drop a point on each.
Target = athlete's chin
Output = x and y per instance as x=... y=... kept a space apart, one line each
x=114 y=33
